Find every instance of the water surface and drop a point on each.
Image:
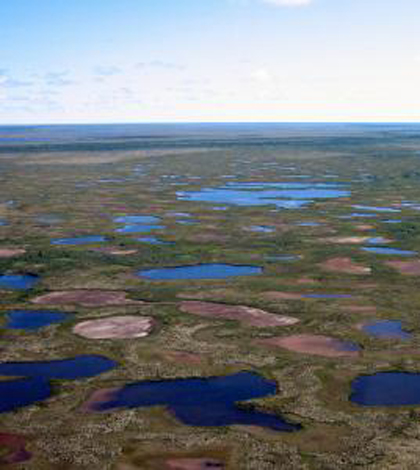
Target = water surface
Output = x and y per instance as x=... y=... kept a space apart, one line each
x=386 y=329
x=385 y=250
x=135 y=228
x=34 y=319
x=204 y=401
x=386 y=389
x=75 y=368
x=200 y=271
x=18 y=281
x=86 y=240
x=16 y=394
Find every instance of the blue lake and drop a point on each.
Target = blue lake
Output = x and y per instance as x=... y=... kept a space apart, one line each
x=204 y=401
x=283 y=195
x=18 y=281
x=75 y=368
x=386 y=389
x=376 y=209
x=386 y=329
x=139 y=228
x=261 y=229
x=137 y=219
x=79 y=240
x=16 y=394
x=377 y=241
x=384 y=250
x=199 y=271
x=2 y=222
x=153 y=241
x=34 y=319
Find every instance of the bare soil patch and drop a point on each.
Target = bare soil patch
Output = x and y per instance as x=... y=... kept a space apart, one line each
x=247 y=315
x=345 y=265
x=314 y=344
x=118 y=327
x=86 y=298
x=410 y=268
x=15 y=451
x=11 y=252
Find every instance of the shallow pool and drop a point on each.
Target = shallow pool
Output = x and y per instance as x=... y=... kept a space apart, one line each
x=200 y=271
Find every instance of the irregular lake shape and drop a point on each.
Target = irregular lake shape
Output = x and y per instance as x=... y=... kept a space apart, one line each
x=18 y=281
x=16 y=394
x=386 y=329
x=34 y=319
x=139 y=228
x=247 y=315
x=199 y=401
x=376 y=209
x=79 y=240
x=79 y=367
x=137 y=219
x=199 y=271
x=283 y=195
x=384 y=250
x=314 y=344
x=386 y=389
x=118 y=327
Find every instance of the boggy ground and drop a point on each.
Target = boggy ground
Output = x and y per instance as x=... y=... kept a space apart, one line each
x=49 y=198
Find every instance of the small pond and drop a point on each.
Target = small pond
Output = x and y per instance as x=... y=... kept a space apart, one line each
x=18 y=281
x=135 y=228
x=203 y=401
x=283 y=195
x=76 y=368
x=79 y=240
x=199 y=271
x=384 y=250
x=261 y=229
x=386 y=389
x=34 y=319
x=153 y=241
x=386 y=329
x=137 y=219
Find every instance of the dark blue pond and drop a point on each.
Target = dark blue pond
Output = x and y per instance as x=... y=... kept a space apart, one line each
x=384 y=250
x=16 y=394
x=34 y=319
x=76 y=368
x=204 y=402
x=2 y=222
x=137 y=219
x=79 y=240
x=200 y=271
x=138 y=228
x=386 y=389
x=283 y=195
x=386 y=329
x=18 y=281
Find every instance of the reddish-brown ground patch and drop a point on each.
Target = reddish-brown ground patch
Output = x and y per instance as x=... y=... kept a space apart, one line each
x=364 y=309
x=15 y=447
x=182 y=357
x=346 y=240
x=410 y=268
x=118 y=327
x=364 y=227
x=247 y=315
x=274 y=295
x=202 y=463
x=86 y=298
x=98 y=398
x=116 y=251
x=11 y=252
x=210 y=294
x=345 y=265
x=314 y=344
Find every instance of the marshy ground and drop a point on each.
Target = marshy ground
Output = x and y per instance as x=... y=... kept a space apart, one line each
x=180 y=254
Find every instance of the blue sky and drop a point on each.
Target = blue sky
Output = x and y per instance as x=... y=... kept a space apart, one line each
x=209 y=60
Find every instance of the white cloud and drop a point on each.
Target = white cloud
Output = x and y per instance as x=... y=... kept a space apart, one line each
x=287 y=3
